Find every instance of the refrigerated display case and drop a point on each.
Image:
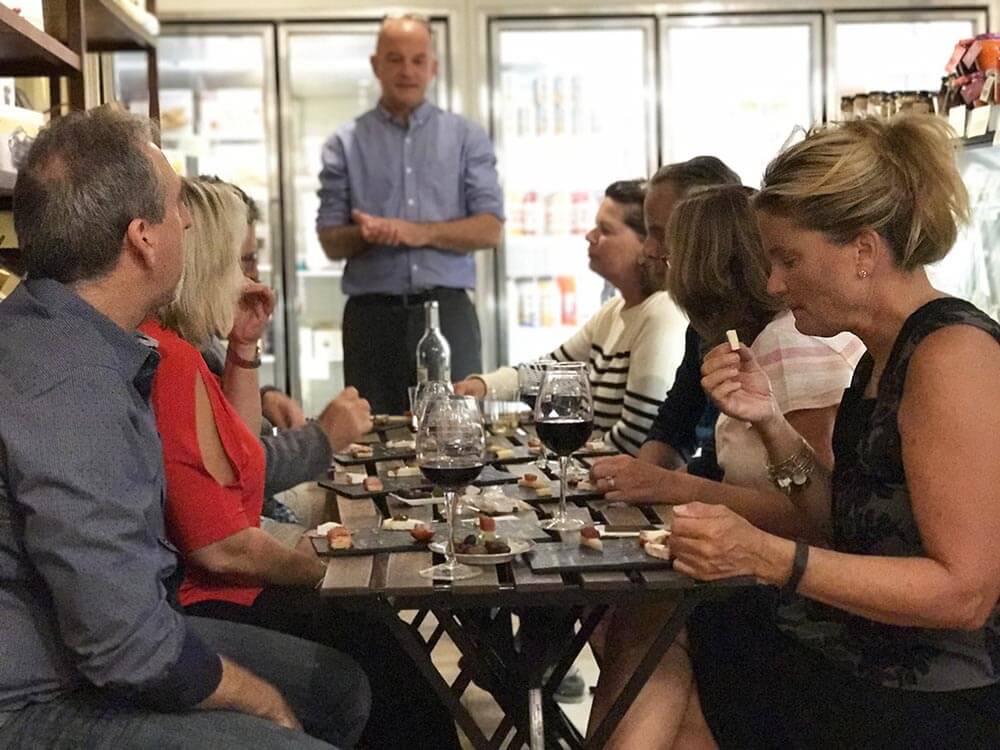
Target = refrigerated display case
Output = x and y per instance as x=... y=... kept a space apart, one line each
x=317 y=98
x=218 y=116
x=566 y=122
x=972 y=269
x=742 y=113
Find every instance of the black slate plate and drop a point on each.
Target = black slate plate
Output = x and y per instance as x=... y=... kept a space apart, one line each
x=370 y=542
x=379 y=453
x=618 y=554
x=489 y=476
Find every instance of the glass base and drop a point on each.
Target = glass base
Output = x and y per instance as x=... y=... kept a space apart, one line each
x=562 y=524
x=451 y=572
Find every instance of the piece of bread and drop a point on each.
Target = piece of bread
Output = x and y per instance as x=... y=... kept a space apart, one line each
x=734 y=340
x=339 y=538
x=653 y=536
x=505 y=454
x=543 y=491
x=659 y=551
x=591 y=537
x=532 y=481
x=373 y=484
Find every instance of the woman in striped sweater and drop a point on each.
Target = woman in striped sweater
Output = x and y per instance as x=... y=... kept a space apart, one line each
x=633 y=344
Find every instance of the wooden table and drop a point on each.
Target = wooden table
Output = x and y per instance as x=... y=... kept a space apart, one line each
x=521 y=670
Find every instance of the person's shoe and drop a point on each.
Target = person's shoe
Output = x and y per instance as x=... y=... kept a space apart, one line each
x=572 y=689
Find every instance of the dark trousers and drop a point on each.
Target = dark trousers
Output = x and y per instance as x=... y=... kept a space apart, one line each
x=405 y=711
x=381 y=333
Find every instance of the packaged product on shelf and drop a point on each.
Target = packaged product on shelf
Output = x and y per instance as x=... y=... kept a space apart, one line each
x=8 y=94
x=860 y=105
x=577 y=114
x=515 y=213
x=328 y=343
x=18 y=128
x=557 y=214
x=527 y=302
x=846 y=108
x=232 y=113
x=581 y=212
x=542 y=105
x=548 y=302
x=567 y=296
x=533 y=214
x=560 y=112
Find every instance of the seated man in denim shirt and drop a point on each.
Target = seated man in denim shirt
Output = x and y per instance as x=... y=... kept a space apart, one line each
x=92 y=650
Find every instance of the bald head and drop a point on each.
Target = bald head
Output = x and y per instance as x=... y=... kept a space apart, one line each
x=404 y=63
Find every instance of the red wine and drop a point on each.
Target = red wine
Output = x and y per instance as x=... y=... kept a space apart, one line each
x=565 y=435
x=450 y=474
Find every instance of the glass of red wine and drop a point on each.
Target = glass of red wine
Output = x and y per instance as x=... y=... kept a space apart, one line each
x=529 y=382
x=451 y=447
x=564 y=419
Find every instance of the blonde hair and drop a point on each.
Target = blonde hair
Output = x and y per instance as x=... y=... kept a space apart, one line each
x=205 y=302
x=897 y=177
x=718 y=268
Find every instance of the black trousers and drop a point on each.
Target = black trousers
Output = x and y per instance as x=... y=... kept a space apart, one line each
x=381 y=333
x=405 y=711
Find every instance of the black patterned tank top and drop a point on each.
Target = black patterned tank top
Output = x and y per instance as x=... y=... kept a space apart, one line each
x=871 y=515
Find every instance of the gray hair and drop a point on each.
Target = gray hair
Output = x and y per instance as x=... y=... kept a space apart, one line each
x=418 y=18
x=85 y=179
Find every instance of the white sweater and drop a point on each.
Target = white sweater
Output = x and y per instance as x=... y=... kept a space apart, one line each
x=633 y=355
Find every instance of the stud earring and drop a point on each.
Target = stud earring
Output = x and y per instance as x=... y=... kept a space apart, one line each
x=862 y=273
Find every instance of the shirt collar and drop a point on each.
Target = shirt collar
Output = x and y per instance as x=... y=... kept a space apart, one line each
x=136 y=357
x=417 y=117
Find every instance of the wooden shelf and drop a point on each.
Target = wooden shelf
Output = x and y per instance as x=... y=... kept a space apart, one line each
x=26 y=50
x=110 y=29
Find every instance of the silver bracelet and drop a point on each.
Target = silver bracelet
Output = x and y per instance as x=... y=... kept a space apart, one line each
x=794 y=471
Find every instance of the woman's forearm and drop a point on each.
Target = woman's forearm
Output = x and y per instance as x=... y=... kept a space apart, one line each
x=241 y=385
x=904 y=591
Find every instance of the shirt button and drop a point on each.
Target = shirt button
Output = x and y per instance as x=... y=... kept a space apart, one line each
x=414 y=268
x=410 y=201
x=406 y=140
x=409 y=170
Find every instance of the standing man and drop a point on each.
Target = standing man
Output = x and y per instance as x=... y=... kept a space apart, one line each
x=408 y=191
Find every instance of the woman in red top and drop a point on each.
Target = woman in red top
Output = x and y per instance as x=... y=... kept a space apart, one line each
x=215 y=477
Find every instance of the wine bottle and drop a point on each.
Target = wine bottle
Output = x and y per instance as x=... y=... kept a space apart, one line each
x=433 y=352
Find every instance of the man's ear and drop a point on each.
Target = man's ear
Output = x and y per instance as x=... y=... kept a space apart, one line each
x=434 y=66
x=138 y=241
x=374 y=63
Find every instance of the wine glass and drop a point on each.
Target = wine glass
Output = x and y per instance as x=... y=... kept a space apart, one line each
x=564 y=419
x=420 y=394
x=529 y=381
x=451 y=447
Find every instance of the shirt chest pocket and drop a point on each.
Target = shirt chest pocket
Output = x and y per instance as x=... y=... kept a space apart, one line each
x=442 y=187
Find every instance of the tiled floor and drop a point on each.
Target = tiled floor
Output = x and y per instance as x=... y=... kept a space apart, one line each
x=481 y=705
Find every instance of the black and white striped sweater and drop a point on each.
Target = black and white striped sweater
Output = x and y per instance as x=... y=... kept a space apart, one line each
x=632 y=354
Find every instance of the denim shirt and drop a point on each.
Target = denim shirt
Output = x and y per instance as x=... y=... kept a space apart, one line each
x=438 y=167
x=85 y=568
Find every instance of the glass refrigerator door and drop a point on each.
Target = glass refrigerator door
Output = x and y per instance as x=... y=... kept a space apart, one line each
x=217 y=117
x=894 y=50
x=572 y=105
x=326 y=81
x=741 y=113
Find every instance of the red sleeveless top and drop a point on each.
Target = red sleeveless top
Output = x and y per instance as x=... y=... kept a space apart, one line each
x=199 y=510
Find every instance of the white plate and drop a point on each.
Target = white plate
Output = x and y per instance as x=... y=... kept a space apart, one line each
x=517 y=547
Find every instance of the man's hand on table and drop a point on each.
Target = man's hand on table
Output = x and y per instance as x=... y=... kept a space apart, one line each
x=345 y=419
x=281 y=410
x=626 y=479
x=378 y=230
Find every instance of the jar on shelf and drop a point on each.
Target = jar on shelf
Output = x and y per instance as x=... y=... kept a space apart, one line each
x=989 y=52
x=860 y=105
x=876 y=103
x=846 y=108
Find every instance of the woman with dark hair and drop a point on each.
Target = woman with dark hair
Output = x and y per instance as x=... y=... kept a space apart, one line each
x=633 y=343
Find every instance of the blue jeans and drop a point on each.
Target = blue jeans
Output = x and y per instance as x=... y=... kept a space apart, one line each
x=327 y=691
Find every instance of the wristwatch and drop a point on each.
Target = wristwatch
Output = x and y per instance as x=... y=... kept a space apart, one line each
x=246 y=364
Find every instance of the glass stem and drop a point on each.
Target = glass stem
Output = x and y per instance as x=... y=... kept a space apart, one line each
x=449 y=510
x=563 y=467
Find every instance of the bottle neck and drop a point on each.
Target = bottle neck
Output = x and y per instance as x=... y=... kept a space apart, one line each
x=433 y=321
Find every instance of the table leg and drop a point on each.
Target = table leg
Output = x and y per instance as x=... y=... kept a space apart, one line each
x=412 y=644
x=535 y=719
x=645 y=668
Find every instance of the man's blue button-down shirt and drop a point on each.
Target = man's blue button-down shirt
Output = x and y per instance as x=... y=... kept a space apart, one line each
x=439 y=167
x=85 y=568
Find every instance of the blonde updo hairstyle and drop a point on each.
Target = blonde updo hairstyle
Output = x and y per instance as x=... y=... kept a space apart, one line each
x=205 y=302
x=897 y=177
x=718 y=269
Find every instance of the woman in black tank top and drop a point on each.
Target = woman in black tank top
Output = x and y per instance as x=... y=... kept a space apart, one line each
x=887 y=632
